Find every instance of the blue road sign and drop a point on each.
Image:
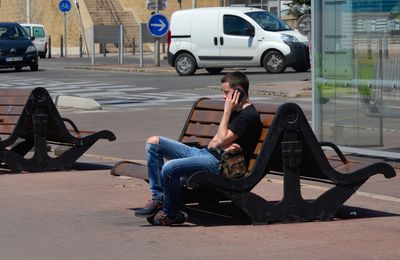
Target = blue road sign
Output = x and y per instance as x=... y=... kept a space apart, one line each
x=65 y=6
x=158 y=25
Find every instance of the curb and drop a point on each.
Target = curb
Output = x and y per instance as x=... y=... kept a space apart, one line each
x=76 y=103
x=122 y=69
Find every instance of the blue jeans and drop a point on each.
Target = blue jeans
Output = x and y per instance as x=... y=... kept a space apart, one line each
x=183 y=161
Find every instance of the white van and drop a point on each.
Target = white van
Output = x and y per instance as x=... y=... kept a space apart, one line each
x=220 y=37
x=38 y=32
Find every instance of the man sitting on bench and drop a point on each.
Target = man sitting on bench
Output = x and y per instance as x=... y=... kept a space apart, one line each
x=240 y=126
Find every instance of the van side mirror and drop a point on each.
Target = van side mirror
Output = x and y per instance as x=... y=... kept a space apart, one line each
x=250 y=31
x=32 y=38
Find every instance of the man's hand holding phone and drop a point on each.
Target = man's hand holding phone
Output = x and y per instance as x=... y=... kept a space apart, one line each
x=233 y=99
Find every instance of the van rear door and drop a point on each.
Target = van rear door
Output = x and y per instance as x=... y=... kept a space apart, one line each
x=238 y=41
x=205 y=34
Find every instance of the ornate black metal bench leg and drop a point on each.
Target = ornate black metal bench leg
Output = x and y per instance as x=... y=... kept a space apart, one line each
x=328 y=204
x=40 y=157
x=258 y=210
x=293 y=205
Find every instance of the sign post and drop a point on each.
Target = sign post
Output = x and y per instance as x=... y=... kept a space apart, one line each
x=158 y=26
x=65 y=7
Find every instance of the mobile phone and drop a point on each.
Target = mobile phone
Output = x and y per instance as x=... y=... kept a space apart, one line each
x=241 y=93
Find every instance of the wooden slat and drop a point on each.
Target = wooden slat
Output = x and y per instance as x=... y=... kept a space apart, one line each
x=202 y=141
x=201 y=130
x=266 y=119
x=11 y=110
x=13 y=100
x=258 y=148
x=211 y=104
x=8 y=120
x=266 y=108
x=15 y=92
x=263 y=134
x=206 y=116
x=6 y=129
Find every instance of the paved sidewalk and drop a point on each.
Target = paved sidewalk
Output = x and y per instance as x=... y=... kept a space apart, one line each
x=89 y=214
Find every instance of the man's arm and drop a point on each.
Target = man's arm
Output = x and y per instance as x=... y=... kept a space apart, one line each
x=225 y=137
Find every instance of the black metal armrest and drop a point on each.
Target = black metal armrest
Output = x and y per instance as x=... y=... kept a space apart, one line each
x=78 y=133
x=336 y=149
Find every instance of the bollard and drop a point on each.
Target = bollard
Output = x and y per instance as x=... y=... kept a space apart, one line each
x=49 y=46
x=103 y=49
x=80 y=47
x=61 y=46
x=133 y=46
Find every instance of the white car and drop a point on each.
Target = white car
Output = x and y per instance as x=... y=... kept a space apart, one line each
x=220 y=37
x=38 y=34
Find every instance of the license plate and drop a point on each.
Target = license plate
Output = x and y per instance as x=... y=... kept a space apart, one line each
x=13 y=59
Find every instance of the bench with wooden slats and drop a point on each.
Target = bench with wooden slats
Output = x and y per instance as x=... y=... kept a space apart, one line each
x=287 y=146
x=203 y=120
x=29 y=121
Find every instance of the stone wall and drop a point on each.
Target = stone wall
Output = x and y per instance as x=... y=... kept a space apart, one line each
x=45 y=12
x=141 y=13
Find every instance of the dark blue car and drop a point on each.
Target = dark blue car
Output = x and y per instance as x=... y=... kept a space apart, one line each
x=16 y=48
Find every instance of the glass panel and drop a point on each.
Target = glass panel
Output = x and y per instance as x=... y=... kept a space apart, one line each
x=38 y=32
x=28 y=30
x=357 y=72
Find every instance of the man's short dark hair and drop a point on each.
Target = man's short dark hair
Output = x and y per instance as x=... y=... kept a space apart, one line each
x=236 y=79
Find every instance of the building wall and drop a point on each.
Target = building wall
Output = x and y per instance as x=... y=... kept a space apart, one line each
x=142 y=14
x=45 y=12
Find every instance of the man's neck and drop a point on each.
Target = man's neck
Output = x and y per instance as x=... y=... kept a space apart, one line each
x=244 y=105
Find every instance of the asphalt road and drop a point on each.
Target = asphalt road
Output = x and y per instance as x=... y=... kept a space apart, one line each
x=122 y=90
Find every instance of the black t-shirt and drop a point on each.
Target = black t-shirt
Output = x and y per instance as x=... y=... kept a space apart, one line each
x=246 y=124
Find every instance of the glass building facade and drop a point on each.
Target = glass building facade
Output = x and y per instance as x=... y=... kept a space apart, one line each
x=356 y=74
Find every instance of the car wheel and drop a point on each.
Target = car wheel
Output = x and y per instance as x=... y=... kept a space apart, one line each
x=185 y=64
x=18 y=68
x=301 y=68
x=34 y=67
x=42 y=55
x=274 y=62
x=214 y=71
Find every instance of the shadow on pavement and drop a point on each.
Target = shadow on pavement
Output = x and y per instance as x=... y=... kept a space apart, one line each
x=227 y=214
x=79 y=166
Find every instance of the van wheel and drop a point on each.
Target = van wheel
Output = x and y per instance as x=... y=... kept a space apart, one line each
x=185 y=64
x=274 y=62
x=214 y=71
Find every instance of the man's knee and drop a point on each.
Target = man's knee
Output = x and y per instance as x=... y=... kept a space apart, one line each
x=153 y=140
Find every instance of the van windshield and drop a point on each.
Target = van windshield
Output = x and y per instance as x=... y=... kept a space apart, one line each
x=269 y=22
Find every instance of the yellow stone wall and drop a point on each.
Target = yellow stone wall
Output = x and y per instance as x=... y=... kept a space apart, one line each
x=44 y=12
x=141 y=13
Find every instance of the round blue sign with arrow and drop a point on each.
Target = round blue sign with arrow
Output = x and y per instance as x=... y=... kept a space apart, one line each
x=64 y=6
x=158 y=25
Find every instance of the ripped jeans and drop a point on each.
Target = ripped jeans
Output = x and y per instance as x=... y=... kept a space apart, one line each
x=182 y=161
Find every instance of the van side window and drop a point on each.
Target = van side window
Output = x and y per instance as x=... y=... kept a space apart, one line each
x=235 y=25
x=38 y=32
